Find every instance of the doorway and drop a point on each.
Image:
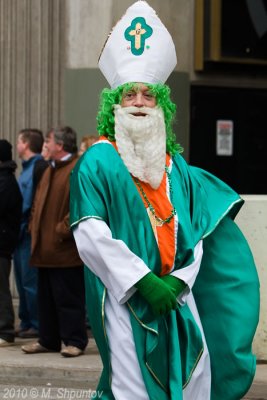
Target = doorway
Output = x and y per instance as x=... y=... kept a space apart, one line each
x=228 y=135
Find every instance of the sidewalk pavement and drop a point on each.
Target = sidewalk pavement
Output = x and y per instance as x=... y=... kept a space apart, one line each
x=17 y=368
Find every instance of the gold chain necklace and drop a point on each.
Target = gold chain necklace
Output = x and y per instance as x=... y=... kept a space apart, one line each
x=149 y=205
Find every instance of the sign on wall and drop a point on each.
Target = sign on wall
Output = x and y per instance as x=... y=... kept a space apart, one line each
x=224 y=138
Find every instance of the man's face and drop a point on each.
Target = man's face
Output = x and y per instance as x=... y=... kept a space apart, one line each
x=21 y=146
x=139 y=96
x=53 y=148
x=140 y=134
x=45 y=151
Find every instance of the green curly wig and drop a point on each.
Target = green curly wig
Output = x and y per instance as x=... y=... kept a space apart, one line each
x=109 y=97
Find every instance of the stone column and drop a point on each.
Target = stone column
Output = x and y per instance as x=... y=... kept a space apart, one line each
x=32 y=57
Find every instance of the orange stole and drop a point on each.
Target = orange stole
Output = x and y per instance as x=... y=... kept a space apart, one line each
x=165 y=234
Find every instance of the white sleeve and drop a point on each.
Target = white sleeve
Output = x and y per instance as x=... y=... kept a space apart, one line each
x=189 y=273
x=111 y=260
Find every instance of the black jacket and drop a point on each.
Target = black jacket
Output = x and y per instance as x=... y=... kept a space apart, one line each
x=10 y=208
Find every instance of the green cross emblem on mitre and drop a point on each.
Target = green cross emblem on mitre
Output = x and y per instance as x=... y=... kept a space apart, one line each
x=137 y=33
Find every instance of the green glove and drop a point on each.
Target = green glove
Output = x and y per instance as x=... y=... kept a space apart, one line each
x=175 y=283
x=157 y=293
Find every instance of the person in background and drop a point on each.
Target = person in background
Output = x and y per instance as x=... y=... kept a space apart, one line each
x=40 y=166
x=86 y=142
x=61 y=293
x=44 y=152
x=29 y=147
x=10 y=215
x=173 y=284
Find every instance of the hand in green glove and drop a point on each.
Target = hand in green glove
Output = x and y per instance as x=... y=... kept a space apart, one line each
x=157 y=293
x=175 y=283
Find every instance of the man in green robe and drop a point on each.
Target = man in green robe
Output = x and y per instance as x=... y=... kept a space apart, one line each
x=169 y=273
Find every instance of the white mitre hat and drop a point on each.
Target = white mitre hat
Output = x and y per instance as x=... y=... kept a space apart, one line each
x=138 y=49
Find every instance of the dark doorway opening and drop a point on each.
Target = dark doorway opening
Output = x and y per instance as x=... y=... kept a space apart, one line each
x=228 y=135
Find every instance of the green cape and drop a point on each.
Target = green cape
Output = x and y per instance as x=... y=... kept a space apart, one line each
x=168 y=348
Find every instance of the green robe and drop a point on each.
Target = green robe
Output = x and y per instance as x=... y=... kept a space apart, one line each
x=226 y=290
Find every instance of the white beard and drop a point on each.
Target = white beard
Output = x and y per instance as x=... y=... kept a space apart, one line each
x=141 y=142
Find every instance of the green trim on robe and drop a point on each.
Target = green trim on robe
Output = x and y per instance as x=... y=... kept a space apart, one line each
x=101 y=187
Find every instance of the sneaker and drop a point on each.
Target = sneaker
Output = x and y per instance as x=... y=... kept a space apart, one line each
x=71 y=351
x=5 y=343
x=28 y=334
x=34 y=348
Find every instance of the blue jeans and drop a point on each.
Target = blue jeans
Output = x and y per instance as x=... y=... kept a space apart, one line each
x=26 y=281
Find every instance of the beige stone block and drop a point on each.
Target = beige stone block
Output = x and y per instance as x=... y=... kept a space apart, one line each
x=252 y=220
